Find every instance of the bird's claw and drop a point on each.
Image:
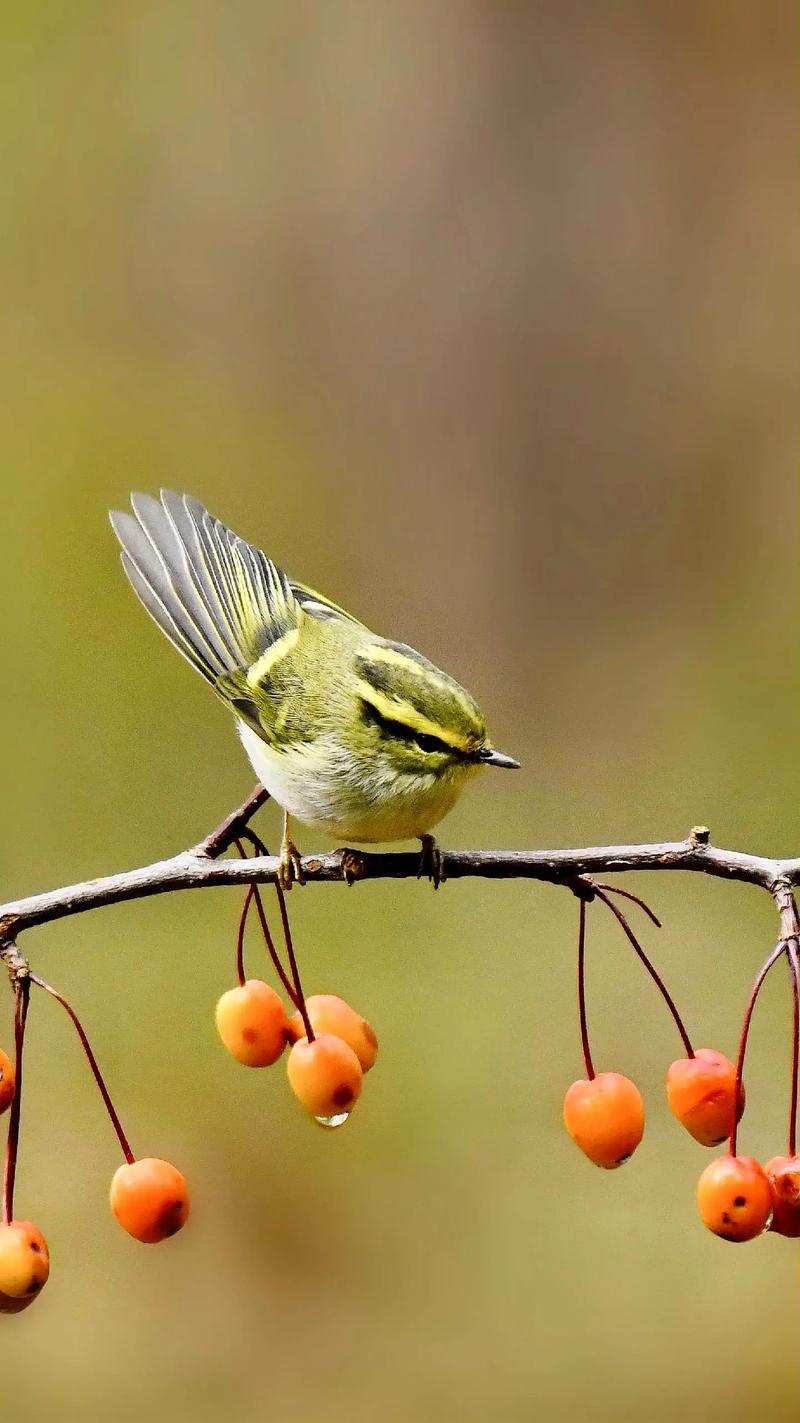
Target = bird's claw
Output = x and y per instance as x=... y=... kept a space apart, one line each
x=431 y=861
x=290 y=866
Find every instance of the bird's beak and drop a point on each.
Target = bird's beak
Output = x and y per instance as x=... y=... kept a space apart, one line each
x=488 y=757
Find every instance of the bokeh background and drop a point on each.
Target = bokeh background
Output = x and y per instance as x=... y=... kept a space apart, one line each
x=481 y=318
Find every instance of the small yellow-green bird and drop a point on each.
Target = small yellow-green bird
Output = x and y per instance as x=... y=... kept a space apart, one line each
x=350 y=733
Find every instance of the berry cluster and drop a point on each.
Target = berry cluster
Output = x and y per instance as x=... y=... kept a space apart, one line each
x=332 y=1046
x=148 y=1196
x=604 y=1112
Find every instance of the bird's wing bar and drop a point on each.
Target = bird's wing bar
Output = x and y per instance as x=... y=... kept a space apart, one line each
x=318 y=606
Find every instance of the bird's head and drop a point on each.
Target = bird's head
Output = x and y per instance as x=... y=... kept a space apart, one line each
x=419 y=718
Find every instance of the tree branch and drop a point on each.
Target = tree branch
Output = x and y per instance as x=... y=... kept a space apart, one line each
x=201 y=867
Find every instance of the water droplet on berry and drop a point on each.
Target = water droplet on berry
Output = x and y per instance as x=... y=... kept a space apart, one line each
x=336 y=1121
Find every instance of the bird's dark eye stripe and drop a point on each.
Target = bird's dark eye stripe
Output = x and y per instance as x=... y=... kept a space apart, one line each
x=398 y=729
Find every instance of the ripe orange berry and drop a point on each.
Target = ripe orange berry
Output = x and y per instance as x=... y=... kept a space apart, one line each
x=604 y=1115
x=325 y=1075
x=701 y=1092
x=24 y=1262
x=783 y=1174
x=734 y=1198
x=329 y=1014
x=150 y=1199
x=8 y=1081
x=251 y=1020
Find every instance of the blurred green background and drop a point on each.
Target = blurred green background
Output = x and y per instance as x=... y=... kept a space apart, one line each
x=481 y=318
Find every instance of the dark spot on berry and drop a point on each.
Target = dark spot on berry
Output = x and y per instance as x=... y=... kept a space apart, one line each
x=249 y=1035
x=36 y=1247
x=172 y=1217
x=739 y=1201
x=726 y=1220
x=343 y=1096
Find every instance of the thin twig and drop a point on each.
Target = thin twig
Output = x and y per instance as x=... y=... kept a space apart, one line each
x=226 y=832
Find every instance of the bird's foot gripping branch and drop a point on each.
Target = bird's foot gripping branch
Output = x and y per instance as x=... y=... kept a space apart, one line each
x=331 y=1046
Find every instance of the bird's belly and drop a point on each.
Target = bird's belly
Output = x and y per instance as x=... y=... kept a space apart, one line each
x=315 y=788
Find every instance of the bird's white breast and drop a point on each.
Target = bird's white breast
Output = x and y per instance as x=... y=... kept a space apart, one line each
x=321 y=787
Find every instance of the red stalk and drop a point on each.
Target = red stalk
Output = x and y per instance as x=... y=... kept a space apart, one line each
x=22 y=989
x=653 y=972
x=587 y=1055
x=92 y=1060
x=754 y=992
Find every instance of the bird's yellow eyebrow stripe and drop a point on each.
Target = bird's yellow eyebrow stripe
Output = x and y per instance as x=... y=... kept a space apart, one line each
x=271 y=657
x=394 y=709
x=377 y=653
x=391 y=656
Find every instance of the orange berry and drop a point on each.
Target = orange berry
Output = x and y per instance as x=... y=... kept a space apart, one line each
x=325 y=1075
x=8 y=1081
x=329 y=1014
x=734 y=1198
x=150 y=1199
x=251 y=1020
x=701 y=1091
x=783 y=1174
x=24 y=1262
x=604 y=1115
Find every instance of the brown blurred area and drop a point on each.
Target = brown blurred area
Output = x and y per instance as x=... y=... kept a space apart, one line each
x=482 y=319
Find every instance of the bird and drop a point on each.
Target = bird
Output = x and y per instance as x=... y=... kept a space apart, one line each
x=352 y=734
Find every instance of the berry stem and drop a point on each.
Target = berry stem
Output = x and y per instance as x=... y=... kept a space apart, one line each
x=298 y=997
x=653 y=972
x=265 y=929
x=92 y=1060
x=248 y=899
x=287 y=935
x=772 y=958
x=22 y=989
x=626 y=894
x=791 y=947
x=587 y=1055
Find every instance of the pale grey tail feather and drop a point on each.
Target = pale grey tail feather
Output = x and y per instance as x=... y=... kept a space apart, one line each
x=220 y=601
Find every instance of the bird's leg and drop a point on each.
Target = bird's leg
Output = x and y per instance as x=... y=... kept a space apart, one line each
x=290 y=869
x=431 y=862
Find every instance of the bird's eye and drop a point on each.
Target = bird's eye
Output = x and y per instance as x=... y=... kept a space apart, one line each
x=398 y=731
x=427 y=743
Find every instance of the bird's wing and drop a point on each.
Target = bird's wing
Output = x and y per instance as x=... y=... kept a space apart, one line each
x=221 y=602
